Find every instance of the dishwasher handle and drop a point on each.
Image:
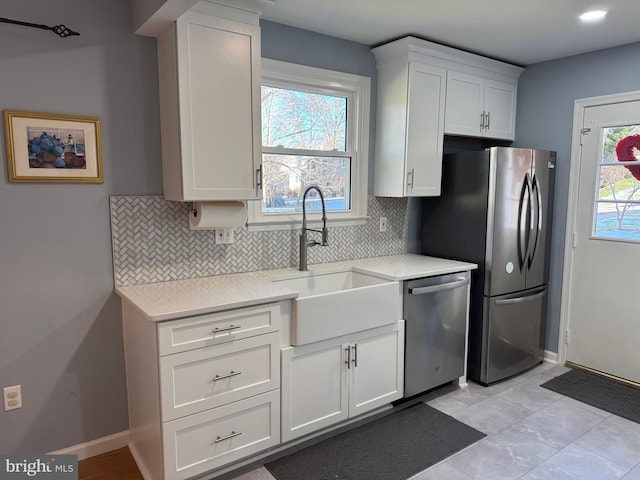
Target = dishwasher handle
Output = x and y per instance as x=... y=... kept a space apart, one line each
x=438 y=288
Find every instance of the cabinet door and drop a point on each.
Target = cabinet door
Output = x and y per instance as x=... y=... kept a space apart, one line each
x=377 y=366
x=500 y=105
x=464 y=104
x=425 y=127
x=218 y=65
x=479 y=107
x=314 y=388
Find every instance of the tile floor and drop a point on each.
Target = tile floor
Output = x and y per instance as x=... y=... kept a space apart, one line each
x=532 y=434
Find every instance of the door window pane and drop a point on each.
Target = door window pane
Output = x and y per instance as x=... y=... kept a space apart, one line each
x=617 y=209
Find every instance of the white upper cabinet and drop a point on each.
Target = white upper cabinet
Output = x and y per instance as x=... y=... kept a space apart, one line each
x=209 y=74
x=480 y=107
x=409 y=125
x=426 y=91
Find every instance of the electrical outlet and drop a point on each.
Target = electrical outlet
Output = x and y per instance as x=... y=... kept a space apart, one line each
x=383 y=224
x=224 y=236
x=12 y=397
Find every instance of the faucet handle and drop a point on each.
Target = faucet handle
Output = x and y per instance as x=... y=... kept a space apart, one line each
x=325 y=235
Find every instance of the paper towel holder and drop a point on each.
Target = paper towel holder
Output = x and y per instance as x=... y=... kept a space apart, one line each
x=215 y=215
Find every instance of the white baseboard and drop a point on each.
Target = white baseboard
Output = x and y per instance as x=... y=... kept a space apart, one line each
x=551 y=357
x=97 y=446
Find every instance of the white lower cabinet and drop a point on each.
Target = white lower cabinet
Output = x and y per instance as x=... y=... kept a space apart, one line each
x=203 y=391
x=207 y=440
x=315 y=388
x=326 y=382
x=208 y=391
x=212 y=376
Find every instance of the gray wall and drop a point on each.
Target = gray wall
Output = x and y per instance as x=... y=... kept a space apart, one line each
x=61 y=336
x=546 y=95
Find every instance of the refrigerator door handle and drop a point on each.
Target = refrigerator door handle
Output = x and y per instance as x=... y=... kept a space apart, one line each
x=523 y=221
x=536 y=219
x=528 y=298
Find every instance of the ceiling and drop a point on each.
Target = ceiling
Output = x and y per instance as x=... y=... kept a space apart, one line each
x=517 y=31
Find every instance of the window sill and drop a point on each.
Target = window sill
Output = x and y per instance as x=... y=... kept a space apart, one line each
x=311 y=223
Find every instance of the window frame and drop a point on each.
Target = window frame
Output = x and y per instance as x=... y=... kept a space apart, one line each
x=357 y=90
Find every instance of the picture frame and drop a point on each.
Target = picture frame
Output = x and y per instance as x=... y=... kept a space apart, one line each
x=51 y=148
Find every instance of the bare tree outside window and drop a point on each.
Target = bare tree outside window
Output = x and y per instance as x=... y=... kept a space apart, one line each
x=618 y=201
x=304 y=138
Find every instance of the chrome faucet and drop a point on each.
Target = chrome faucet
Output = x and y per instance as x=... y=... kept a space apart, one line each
x=304 y=242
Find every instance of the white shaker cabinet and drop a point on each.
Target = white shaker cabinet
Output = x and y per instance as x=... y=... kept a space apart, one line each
x=326 y=382
x=427 y=91
x=480 y=107
x=209 y=80
x=203 y=391
x=409 y=125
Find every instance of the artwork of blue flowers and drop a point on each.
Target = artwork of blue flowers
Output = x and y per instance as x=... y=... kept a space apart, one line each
x=57 y=148
x=52 y=148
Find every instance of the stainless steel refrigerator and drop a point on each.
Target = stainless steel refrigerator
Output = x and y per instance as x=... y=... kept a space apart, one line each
x=495 y=210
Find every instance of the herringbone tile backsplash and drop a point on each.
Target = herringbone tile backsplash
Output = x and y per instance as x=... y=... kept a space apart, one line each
x=152 y=242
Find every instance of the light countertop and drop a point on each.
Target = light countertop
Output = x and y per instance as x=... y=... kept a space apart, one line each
x=182 y=298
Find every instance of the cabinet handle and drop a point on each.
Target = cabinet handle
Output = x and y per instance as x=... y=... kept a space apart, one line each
x=410 y=178
x=259 y=178
x=482 y=120
x=355 y=354
x=348 y=355
x=225 y=329
x=226 y=375
x=227 y=437
x=488 y=120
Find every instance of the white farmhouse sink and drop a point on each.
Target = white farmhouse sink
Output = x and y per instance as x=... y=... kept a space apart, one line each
x=335 y=304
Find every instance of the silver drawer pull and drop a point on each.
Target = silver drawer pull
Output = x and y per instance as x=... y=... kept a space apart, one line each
x=231 y=435
x=227 y=375
x=225 y=329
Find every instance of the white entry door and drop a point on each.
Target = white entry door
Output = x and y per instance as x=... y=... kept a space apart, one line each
x=604 y=313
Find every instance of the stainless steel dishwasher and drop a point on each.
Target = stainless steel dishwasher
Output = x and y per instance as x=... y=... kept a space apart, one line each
x=435 y=311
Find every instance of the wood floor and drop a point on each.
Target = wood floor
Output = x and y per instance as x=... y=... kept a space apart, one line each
x=114 y=465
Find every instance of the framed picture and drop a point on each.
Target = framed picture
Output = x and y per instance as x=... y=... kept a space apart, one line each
x=44 y=147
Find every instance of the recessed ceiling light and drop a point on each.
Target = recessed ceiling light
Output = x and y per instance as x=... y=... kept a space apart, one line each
x=593 y=15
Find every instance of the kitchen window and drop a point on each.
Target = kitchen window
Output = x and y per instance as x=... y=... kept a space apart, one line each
x=315 y=131
x=617 y=206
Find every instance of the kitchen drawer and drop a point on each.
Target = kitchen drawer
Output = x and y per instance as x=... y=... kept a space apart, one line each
x=212 y=376
x=208 y=440
x=204 y=330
